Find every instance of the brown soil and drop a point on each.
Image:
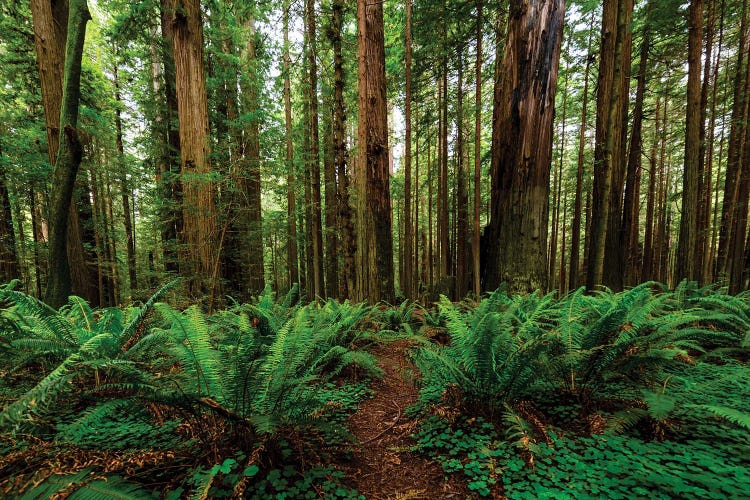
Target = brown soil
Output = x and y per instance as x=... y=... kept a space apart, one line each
x=382 y=465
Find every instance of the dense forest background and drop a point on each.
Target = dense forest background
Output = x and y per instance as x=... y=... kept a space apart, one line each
x=545 y=145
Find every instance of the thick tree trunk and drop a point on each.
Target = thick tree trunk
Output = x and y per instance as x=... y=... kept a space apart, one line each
x=68 y=157
x=608 y=136
x=687 y=265
x=292 y=253
x=522 y=146
x=199 y=234
x=737 y=137
x=375 y=241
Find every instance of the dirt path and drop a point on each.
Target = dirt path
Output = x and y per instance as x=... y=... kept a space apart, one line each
x=382 y=467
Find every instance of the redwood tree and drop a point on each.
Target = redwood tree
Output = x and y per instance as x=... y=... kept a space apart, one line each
x=199 y=236
x=375 y=241
x=522 y=147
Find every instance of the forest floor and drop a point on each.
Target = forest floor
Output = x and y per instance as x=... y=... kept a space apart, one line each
x=383 y=465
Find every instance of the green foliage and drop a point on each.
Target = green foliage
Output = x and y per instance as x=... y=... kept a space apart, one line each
x=122 y=380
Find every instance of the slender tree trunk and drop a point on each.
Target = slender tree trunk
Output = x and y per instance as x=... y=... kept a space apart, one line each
x=713 y=189
x=631 y=208
x=9 y=268
x=522 y=146
x=168 y=182
x=250 y=216
x=477 y=152
x=68 y=157
x=291 y=198
x=199 y=233
x=125 y=190
x=408 y=236
x=575 y=238
x=647 y=272
x=687 y=265
x=346 y=223
x=462 y=195
x=558 y=183
x=375 y=244
x=314 y=160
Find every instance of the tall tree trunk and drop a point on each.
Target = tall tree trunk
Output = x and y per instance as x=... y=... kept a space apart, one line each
x=558 y=183
x=125 y=190
x=462 y=194
x=631 y=208
x=50 y=20
x=250 y=217
x=375 y=243
x=340 y=154
x=687 y=266
x=477 y=152
x=614 y=254
x=199 y=233
x=408 y=236
x=314 y=159
x=647 y=272
x=709 y=272
x=291 y=198
x=9 y=268
x=522 y=146
x=575 y=238
x=68 y=157
x=168 y=181
x=737 y=136
x=615 y=22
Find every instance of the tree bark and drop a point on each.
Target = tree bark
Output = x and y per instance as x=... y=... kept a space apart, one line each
x=575 y=238
x=314 y=159
x=292 y=253
x=477 y=153
x=125 y=190
x=348 y=248
x=68 y=159
x=631 y=208
x=687 y=249
x=522 y=146
x=408 y=229
x=9 y=268
x=375 y=241
x=608 y=134
x=199 y=234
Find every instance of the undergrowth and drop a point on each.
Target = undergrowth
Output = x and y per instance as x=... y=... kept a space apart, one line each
x=642 y=393
x=150 y=400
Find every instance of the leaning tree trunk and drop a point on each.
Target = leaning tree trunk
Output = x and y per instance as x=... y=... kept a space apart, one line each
x=69 y=157
x=522 y=146
x=199 y=235
x=375 y=241
x=9 y=268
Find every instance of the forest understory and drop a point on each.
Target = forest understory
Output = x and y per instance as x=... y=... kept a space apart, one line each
x=639 y=394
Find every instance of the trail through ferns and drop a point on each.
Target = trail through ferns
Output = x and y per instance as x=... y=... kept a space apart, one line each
x=383 y=466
